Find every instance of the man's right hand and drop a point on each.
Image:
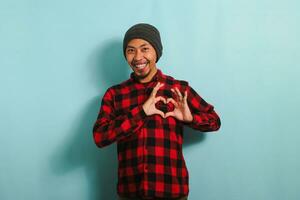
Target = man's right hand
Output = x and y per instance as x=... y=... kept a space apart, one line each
x=149 y=105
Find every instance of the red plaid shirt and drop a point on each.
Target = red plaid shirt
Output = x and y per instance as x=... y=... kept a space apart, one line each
x=151 y=163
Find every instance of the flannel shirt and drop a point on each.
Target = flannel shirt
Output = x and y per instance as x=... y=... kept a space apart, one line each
x=150 y=158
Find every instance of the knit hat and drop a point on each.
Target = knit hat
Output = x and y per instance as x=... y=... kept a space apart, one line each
x=146 y=32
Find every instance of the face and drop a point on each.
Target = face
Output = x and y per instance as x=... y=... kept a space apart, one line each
x=141 y=56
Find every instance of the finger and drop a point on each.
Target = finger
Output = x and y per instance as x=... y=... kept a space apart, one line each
x=172 y=101
x=173 y=90
x=156 y=88
x=157 y=85
x=160 y=98
x=185 y=96
x=176 y=95
x=162 y=114
x=179 y=93
x=169 y=114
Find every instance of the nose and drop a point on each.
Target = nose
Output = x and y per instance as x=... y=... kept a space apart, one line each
x=138 y=55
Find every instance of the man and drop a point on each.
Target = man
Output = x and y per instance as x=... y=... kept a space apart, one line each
x=145 y=116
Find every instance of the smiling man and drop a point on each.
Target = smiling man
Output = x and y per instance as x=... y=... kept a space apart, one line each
x=145 y=115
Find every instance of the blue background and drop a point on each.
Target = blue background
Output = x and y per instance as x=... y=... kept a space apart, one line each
x=58 y=57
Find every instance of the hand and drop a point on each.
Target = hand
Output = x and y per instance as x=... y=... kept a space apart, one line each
x=181 y=111
x=149 y=105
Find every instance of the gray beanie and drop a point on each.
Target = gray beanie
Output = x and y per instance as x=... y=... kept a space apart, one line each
x=146 y=32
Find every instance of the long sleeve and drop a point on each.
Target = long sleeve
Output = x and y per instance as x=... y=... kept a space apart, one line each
x=110 y=126
x=205 y=118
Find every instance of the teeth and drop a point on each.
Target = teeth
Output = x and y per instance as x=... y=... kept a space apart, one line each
x=141 y=66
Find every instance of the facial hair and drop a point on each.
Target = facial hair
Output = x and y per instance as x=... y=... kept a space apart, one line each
x=142 y=76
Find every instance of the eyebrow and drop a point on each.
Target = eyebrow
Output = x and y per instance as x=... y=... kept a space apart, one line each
x=145 y=44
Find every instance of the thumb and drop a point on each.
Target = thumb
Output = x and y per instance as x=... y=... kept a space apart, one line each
x=169 y=114
x=162 y=114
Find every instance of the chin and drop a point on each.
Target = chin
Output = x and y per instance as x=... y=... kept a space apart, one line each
x=143 y=75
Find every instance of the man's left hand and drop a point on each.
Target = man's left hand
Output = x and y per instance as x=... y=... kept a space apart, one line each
x=181 y=111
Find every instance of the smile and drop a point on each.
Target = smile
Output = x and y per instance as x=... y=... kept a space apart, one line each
x=141 y=66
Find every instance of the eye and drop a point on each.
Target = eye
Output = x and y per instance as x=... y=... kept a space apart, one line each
x=130 y=51
x=145 y=49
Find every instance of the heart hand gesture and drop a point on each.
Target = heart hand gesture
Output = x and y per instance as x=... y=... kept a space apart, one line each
x=181 y=111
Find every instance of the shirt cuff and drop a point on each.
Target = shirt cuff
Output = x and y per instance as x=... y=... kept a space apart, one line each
x=137 y=113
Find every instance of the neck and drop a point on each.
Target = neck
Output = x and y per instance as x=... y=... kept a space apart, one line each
x=149 y=77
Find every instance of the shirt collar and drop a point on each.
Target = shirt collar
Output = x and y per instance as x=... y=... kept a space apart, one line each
x=158 y=77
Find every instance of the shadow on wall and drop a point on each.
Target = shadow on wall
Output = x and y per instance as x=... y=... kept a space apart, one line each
x=192 y=137
x=107 y=66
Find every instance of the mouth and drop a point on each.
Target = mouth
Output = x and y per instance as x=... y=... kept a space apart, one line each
x=140 y=67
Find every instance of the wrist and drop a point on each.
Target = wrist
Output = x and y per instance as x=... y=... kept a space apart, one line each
x=144 y=109
x=189 y=120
